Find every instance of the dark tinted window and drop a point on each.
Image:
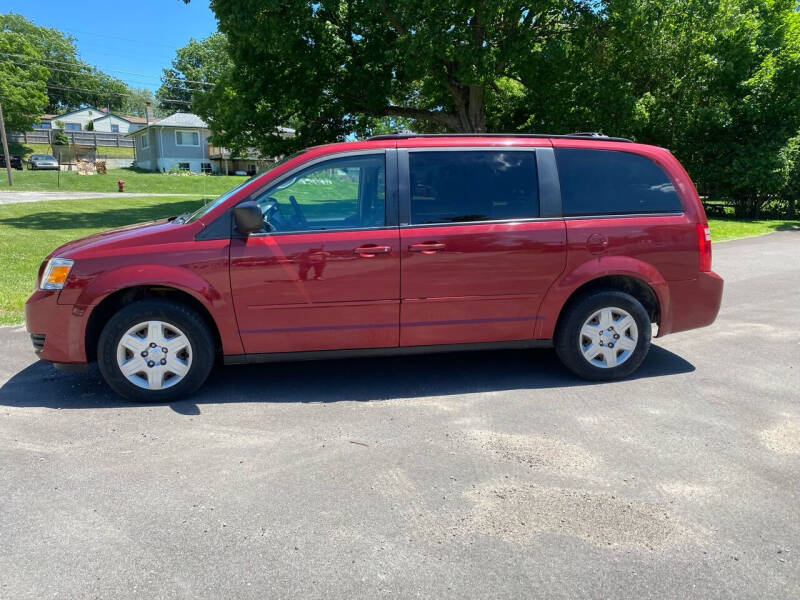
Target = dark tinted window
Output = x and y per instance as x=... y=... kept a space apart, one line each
x=597 y=182
x=461 y=186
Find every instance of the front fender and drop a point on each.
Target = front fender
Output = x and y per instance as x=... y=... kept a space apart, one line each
x=602 y=266
x=217 y=301
x=154 y=275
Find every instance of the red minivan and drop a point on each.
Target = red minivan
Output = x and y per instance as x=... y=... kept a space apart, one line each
x=398 y=244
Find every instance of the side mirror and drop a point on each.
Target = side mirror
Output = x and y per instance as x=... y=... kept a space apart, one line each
x=248 y=218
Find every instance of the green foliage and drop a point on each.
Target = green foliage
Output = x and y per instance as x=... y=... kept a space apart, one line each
x=715 y=81
x=195 y=64
x=135 y=102
x=60 y=137
x=22 y=82
x=71 y=83
x=333 y=67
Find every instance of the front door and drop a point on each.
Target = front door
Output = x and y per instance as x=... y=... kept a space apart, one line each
x=480 y=245
x=325 y=273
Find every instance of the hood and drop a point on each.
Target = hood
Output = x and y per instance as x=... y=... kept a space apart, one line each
x=128 y=236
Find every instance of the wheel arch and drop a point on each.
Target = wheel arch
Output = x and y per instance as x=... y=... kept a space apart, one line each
x=118 y=299
x=629 y=284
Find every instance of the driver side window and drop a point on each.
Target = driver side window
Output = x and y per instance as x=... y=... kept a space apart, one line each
x=343 y=193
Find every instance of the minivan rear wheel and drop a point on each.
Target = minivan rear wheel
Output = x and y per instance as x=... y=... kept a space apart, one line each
x=155 y=350
x=604 y=335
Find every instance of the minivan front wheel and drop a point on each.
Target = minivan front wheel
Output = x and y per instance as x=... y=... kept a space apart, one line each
x=604 y=335
x=155 y=351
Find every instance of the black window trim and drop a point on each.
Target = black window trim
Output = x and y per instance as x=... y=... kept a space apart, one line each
x=390 y=194
x=546 y=175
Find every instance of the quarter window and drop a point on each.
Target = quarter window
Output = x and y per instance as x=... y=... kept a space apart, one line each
x=463 y=186
x=343 y=193
x=602 y=182
x=187 y=138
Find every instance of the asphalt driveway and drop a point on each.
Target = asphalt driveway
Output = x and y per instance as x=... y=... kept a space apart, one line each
x=482 y=475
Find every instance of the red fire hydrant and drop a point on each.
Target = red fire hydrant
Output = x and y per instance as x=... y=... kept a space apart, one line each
x=120 y=185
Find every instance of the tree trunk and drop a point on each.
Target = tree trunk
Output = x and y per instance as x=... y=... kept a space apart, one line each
x=470 y=114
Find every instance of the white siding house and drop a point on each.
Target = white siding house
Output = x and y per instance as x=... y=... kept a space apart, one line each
x=116 y=124
x=77 y=120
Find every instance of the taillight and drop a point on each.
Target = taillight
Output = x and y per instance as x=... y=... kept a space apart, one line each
x=704 y=246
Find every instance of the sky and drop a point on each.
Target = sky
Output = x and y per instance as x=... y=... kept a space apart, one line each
x=121 y=35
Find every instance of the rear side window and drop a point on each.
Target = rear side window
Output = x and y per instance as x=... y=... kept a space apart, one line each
x=606 y=182
x=463 y=186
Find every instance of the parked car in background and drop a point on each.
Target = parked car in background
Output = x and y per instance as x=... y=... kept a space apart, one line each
x=16 y=161
x=397 y=244
x=41 y=162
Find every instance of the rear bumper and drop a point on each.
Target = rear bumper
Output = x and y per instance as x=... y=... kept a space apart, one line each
x=57 y=330
x=693 y=304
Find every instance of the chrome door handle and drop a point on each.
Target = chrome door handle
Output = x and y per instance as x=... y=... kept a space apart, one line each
x=426 y=247
x=371 y=250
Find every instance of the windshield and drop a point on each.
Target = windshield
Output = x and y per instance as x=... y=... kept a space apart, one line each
x=42 y=157
x=207 y=208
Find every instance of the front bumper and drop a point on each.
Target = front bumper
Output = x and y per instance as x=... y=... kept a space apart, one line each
x=57 y=330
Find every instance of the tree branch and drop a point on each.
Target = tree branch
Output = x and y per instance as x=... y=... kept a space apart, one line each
x=436 y=116
x=393 y=20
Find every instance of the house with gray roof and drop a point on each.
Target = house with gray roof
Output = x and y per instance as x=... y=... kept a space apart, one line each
x=181 y=142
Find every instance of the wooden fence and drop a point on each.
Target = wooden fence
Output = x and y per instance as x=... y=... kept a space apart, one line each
x=77 y=138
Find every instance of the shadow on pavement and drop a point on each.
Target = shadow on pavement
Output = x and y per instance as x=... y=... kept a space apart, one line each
x=359 y=380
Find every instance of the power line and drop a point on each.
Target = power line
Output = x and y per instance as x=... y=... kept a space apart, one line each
x=64 y=62
x=115 y=37
x=106 y=94
x=188 y=88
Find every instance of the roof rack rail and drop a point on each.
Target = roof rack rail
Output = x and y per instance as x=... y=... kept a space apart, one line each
x=399 y=135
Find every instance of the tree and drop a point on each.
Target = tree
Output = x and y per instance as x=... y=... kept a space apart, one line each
x=196 y=66
x=22 y=84
x=336 y=66
x=135 y=102
x=691 y=75
x=71 y=83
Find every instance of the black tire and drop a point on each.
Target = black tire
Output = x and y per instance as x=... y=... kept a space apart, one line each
x=173 y=313
x=567 y=340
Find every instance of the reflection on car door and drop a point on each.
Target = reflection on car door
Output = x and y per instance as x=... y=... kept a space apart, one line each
x=327 y=275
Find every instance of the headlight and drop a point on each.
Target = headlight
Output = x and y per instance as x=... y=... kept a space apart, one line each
x=56 y=273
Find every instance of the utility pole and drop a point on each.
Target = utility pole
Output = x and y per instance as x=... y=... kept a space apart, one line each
x=5 y=147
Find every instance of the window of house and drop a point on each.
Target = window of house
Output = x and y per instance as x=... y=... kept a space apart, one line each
x=115 y=128
x=598 y=182
x=464 y=186
x=183 y=166
x=342 y=193
x=205 y=167
x=72 y=126
x=42 y=126
x=145 y=141
x=187 y=138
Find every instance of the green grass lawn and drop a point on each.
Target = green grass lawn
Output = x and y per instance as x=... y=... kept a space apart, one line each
x=729 y=229
x=135 y=182
x=28 y=232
